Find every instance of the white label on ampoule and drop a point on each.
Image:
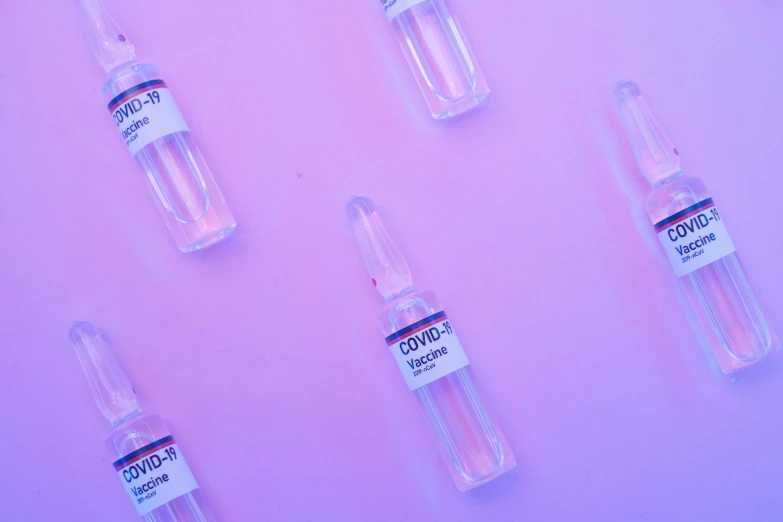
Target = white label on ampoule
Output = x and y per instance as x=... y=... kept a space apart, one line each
x=155 y=474
x=394 y=7
x=694 y=237
x=427 y=350
x=145 y=113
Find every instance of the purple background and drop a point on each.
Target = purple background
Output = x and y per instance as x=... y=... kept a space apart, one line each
x=263 y=354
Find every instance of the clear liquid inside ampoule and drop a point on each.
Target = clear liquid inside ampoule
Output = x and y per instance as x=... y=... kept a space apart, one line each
x=137 y=433
x=178 y=177
x=721 y=288
x=440 y=58
x=470 y=442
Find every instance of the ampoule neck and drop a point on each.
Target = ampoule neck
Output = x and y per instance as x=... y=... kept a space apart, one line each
x=126 y=419
x=122 y=68
x=662 y=182
x=403 y=293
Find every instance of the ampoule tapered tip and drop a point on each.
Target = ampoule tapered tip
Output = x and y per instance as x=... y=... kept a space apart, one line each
x=110 y=387
x=81 y=329
x=656 y=156
x=110 y=45
x=388 y=271
x=359 y=206
x=626 y=87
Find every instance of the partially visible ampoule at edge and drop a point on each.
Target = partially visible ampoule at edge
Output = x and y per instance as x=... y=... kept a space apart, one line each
x=424 y=344
x=697 y=242
x=146 y=458
x=438 y=54
x=157 y=136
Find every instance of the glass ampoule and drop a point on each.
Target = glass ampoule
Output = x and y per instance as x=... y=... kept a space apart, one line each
x=697 y=242
x=438 y=54
x=424 y=344
x=146 y=458
x=158 y=138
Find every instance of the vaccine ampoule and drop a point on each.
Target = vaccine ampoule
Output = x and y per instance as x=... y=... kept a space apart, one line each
x=424 y=344
x=147 y=117
x=438 y=54
x=696 y=241
x=146 y=458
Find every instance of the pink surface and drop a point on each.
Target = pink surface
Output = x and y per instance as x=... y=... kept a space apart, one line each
x=263 y=354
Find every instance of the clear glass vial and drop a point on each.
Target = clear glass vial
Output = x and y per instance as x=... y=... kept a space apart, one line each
x=474 y=449
x=158 y=138
x=695 y=239
x=136 y=438
x=438 y=54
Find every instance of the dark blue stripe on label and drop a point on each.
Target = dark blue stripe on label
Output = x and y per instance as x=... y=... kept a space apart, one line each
x=152 y=445
x=137 y=88
x=678 y=215
x=431 y=319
